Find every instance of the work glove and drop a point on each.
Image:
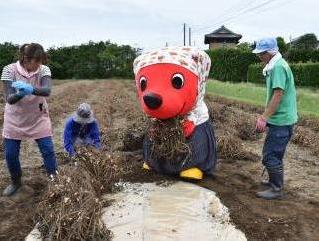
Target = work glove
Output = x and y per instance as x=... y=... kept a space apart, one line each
x=21 y=93
x=22 y=86
x=188 y=128
x=72 y=153
x=261 y=124
x=73 y=157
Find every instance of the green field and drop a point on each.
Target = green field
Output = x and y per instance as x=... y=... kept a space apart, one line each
x=308 y=99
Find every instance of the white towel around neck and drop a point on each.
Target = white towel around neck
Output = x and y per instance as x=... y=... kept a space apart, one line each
x=271 y=63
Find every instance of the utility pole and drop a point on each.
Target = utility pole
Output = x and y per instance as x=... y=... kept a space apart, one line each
x=189 y=36
x=184 y=31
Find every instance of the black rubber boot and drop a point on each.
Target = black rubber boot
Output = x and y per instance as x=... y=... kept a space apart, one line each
x=271 y=193
x=265 y=183
x=276 y=181
x=13 y=187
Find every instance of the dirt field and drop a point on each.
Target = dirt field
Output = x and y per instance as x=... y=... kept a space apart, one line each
x=236 y=180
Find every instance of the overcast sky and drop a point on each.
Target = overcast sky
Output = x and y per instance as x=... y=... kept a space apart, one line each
x=150 y=24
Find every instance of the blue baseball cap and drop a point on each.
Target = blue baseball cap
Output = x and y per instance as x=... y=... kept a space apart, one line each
x=266 y=44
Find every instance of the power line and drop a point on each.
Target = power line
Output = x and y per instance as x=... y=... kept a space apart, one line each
x=241 y=5
x=279 y=4
x=241 y=12
x=266 y=9
x=229 y=11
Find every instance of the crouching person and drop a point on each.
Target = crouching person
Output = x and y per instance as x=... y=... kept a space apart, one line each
x=81 y=129
x=26 y=84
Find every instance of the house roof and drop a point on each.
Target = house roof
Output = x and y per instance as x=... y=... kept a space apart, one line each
x=221 y=34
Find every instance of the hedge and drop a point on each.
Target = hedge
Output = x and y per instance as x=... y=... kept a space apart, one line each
x=305 y=74
x=233 y=65
x=230 y=64
x=302 y=55
x=91 y=60
x=8 y=54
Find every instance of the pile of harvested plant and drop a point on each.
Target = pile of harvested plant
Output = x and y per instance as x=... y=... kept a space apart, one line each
x=231 y=147
x=168 y=140
x=71 y=208
x=305 y=137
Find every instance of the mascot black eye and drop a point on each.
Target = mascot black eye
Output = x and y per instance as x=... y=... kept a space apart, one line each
x=143 y=83
x=178 y=81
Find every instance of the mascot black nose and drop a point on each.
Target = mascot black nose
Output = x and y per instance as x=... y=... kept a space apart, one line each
x=152 y=101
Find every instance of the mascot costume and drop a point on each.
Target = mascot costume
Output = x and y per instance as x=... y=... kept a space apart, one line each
x=171 y=84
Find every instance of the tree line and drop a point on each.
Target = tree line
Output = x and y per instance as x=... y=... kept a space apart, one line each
x=91 y=60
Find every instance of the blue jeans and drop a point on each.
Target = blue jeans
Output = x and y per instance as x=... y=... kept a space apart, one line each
x=12 y=152
x=274 y=149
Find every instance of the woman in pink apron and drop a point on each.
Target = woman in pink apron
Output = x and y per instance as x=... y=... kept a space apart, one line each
x=26 y=84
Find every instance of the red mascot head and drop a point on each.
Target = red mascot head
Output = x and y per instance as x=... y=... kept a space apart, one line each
x=171 y=81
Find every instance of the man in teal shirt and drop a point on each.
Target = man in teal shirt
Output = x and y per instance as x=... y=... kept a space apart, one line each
x=279 y=116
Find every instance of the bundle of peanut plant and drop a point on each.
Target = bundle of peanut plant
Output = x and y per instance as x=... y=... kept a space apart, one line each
x=168 y=140
x=245 y=124
x=101 y=166
x=135 y=132
x=302 y=136
x=231 y=147
x=306 y=137
x=70 y=209
x=227 y=117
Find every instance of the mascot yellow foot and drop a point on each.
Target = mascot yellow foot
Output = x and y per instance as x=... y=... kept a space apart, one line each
x=146 y=167
x=192 y=173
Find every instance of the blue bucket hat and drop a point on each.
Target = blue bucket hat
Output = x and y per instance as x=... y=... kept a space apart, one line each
x=266 y=44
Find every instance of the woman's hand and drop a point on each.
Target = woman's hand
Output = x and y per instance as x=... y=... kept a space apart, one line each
x=25 y=88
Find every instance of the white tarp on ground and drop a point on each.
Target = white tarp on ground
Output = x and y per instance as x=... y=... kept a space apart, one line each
x=175 y=212
x=178 y=212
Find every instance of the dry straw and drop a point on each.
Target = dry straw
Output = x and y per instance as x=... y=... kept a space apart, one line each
x=71 y=208
x=231 y=147
x=168 y=140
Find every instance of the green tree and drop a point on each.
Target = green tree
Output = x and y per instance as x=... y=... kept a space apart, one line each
x=245 y=46
x=283 y=47
x=308 y=41
x=8 y=54
x=230 y=64
x=92 y=60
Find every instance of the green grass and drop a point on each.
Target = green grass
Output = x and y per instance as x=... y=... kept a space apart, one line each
x=307 y=99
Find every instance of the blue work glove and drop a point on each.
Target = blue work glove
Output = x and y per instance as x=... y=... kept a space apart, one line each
x=97 y=145
x=72 y=152
x=22 y=86
x=22 y=93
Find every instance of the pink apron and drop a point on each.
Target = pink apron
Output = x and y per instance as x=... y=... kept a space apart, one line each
x=29 y=117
